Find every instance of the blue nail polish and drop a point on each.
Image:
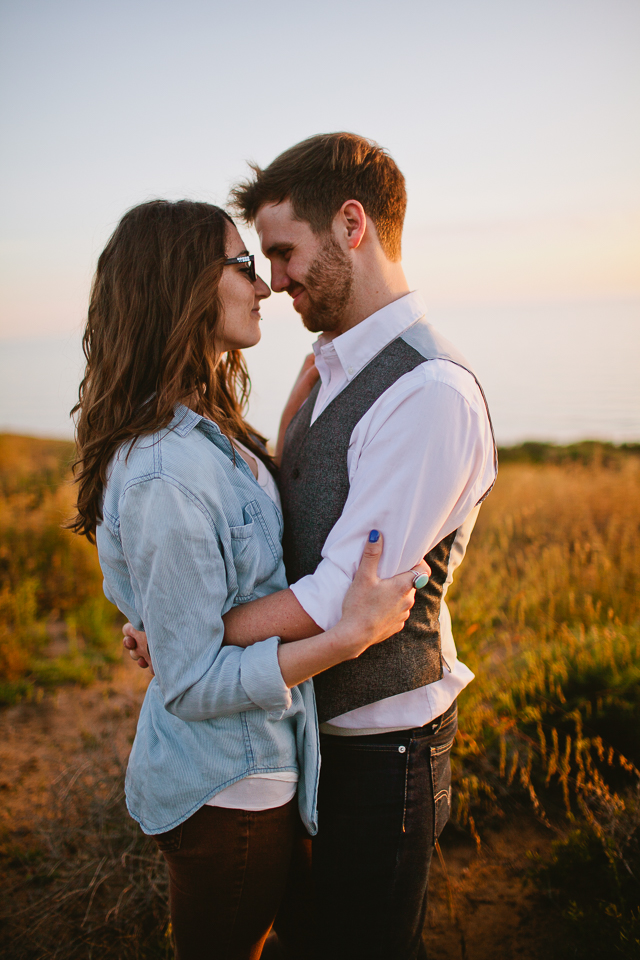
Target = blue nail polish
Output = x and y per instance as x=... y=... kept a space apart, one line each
x=374 y=536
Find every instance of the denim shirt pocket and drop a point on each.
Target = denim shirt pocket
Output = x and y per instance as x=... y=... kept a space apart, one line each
x=254 y=553
x=255 y=511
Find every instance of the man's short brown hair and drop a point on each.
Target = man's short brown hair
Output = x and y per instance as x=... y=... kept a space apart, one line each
x=320 y=174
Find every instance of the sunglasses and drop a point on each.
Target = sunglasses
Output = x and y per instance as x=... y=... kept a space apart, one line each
x=249 y=260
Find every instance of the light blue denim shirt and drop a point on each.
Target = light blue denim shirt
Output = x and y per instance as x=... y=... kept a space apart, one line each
x=187 y=534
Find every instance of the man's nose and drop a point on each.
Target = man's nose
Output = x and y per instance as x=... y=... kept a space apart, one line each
x=279 y=278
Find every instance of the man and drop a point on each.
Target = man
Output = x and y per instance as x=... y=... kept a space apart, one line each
x=395 y=436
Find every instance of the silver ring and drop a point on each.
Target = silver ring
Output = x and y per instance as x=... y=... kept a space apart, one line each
x=420 y=580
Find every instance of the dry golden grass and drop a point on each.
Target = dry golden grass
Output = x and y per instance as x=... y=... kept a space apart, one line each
x=55 y=624
x=546 y=612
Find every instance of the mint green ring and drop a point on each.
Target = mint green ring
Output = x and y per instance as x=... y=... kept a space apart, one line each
x=420 y=580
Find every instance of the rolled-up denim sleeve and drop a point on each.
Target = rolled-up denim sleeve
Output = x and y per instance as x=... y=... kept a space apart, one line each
x=177 y=569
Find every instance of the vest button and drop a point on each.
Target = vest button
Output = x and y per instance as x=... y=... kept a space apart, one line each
x=295 y=473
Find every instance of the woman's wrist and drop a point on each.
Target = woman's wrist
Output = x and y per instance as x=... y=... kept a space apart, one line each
x=347 y=640
x=305 y=658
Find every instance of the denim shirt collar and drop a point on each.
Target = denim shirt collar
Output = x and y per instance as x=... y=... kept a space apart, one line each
x=185 y=420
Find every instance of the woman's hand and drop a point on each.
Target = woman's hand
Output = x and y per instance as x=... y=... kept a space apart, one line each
x=135 y=643
x=301 y=390
x=374 y=609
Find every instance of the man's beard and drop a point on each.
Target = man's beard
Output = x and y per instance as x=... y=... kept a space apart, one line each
x=328 y=284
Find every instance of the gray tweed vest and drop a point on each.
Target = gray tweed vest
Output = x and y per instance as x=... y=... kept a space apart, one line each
x=314 y=484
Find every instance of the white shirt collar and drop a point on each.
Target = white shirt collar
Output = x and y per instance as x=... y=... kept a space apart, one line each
x=355 y=348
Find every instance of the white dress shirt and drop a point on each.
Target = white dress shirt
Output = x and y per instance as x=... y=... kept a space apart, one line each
x=418 y=462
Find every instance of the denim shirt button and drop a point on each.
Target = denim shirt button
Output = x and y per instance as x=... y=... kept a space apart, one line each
x=402 y=749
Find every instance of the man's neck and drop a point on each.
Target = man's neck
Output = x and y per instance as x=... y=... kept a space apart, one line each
x=374 y=289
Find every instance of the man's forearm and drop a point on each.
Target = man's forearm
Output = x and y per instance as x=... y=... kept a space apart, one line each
x=280 y=614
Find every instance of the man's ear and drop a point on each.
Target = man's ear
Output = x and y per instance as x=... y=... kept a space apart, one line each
x=351 y=223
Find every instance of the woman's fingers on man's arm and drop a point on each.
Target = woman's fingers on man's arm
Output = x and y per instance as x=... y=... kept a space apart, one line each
x=371 y=556
x=368 y=568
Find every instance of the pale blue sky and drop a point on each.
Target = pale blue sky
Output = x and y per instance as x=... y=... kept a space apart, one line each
x=514 y=121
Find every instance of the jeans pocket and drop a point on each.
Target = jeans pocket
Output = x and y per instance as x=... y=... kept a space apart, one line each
x=441 y=780
x=170 y=841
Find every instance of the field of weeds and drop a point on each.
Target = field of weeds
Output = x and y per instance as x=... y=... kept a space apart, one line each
x=546 y=612
x=55 y=624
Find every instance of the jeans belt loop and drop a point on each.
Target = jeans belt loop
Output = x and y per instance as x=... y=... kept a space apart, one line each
x=433 y=727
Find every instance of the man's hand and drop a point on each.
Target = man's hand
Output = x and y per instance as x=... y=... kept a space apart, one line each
x=135 y=643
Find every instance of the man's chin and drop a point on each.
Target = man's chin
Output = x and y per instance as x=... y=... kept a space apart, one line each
x=311 y=324
x=307 y=317
x=315 y=317
x=319 y=324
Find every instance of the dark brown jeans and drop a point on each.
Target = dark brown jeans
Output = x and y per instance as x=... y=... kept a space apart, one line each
x=229 y=872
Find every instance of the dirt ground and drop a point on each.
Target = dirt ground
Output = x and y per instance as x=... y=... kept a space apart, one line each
x=481 y=908
x=481 y=904
x=39 y=741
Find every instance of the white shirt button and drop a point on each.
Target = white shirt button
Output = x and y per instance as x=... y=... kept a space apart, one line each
x=349 y=370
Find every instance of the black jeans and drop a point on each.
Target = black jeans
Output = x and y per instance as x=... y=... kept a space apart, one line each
x=383 y=801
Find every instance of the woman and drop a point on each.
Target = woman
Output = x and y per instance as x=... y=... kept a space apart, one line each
x=177 y=491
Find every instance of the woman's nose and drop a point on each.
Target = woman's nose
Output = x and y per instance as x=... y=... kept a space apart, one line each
x=261 y=289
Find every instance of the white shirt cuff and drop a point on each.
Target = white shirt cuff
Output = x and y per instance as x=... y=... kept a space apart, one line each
x=321 y=594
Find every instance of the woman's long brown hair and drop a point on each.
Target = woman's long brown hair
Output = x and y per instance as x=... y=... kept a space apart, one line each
x=149 y=341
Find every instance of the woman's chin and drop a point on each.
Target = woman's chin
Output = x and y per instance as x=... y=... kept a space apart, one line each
x=243 y=343
x=253 y=338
